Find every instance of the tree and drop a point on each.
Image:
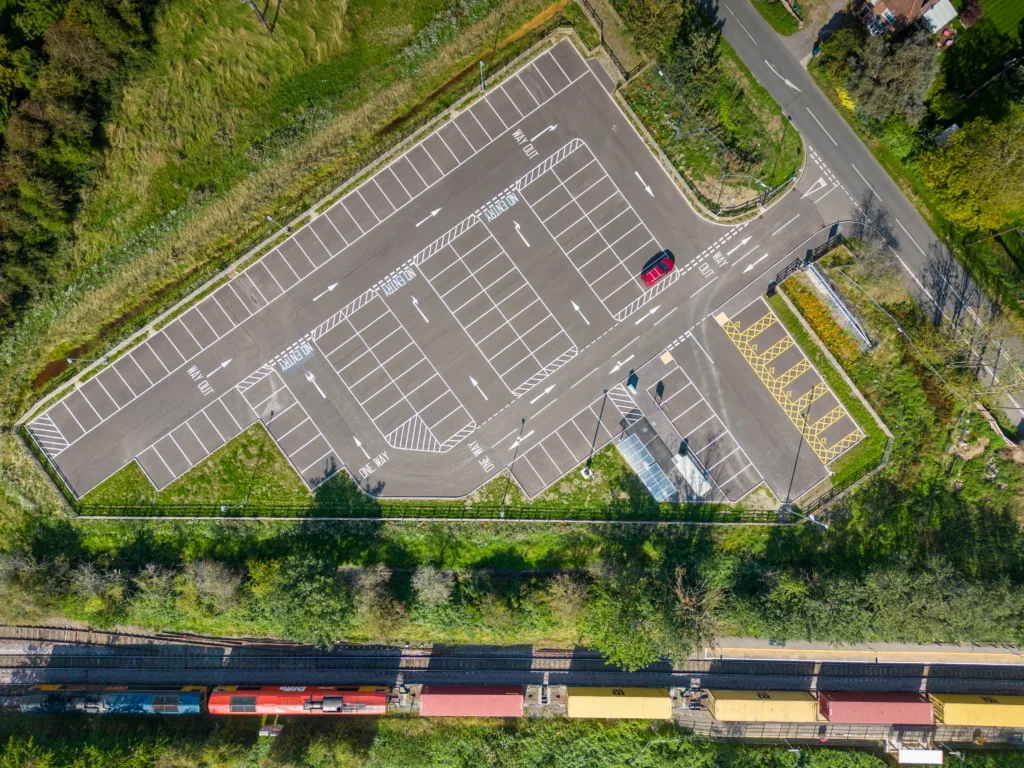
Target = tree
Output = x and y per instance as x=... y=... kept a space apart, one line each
x=624 y=621
x=432 y=587
x=892 y=77
x=651 y=22
x=978 y=177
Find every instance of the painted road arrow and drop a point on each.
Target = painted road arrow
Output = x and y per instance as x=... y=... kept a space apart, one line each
x=621 y=363
x=649 y=192
x=751 y=266
x=739 y=245
x=330 y=288
x=433 y=213
x=538 y=397
x=476 y=384
x=416 y=303
x=549 y=128
x=576 y=308
x=650 y=312
x=360 y=446
x=785 y=80
x=518 y=440
x=220 y=367
x=312 y=380
x=521 y=234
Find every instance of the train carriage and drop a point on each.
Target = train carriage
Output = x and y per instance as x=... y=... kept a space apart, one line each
x=112 y=699
x=471 y=701
x=298 y=700
x=763 y=706
x=619 y=703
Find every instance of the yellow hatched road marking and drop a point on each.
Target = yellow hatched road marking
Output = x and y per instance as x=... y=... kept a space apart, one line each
x=777 y=385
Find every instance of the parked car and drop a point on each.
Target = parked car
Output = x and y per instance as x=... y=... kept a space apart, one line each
x=663 y=263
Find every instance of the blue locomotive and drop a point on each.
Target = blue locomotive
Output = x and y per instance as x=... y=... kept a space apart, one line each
x=113 y=699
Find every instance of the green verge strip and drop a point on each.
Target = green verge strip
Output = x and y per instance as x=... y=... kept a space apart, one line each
x=869 y=452
x=775 y=13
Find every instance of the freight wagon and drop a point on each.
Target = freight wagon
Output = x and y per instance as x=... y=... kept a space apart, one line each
x=763 y=706
x=471 y=701
x=875 y=708
x=965 y=709
x=620 y=703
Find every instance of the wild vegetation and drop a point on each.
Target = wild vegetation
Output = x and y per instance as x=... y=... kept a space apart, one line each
x=364 y=742
x=723 y=132
x=900 y=93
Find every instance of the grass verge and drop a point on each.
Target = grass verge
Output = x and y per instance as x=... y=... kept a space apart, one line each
x=868 y=453
x=777 y=16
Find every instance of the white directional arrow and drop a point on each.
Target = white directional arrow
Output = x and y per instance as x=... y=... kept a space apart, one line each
x=816 y=186
x=330 y=288
x=360 y=446
x=312 y=380
x=538 y=397
x=751 y=266
x=220 y=367
x=416 y=303
x=576 y=308
x=785 y=80
x=525 y=241
x=433 y=213
x=549 y=128
x=621 y=363
x=650 y=312
x=649 y=192
x=518 y=440
x=739 y=245
x=476 y=384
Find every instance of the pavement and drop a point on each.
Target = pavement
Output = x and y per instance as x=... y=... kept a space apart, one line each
x=476 y=305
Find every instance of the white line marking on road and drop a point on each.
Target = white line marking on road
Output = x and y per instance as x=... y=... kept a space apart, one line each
x=538 y=413
x=754 y=264
x=701 y=348
x=785 y=225
x=546 y=390
x=815 y=187
x=583 y=377
x=911 y=237
x=834 y=188
x=786 y=80
x=742 y=27
x=649 y=312
x=709 y=282
x=549 y=128
x=822 y=127
x=644 y=183
x=576 y=308
x=740 y=258
x=506 y=437
x=866 y=182
x=519 y=440
x=663 y=318
x=416 y=303
x=739 y=245
x=620 y=363
x=359 y=445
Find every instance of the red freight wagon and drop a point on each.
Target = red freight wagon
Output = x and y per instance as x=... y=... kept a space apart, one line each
x=471 y=701
x=882 y=708
x=298 y=700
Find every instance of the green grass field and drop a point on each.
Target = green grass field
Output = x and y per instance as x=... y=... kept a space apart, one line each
x=1005 y=14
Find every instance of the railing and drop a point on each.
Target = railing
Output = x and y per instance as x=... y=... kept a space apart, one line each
x=627 y=74
x=370 y=509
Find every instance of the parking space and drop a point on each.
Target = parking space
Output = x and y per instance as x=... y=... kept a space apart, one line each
x=387 y=373
x=571 y=444
x=499 y=310
x=596 y=228
x=793 y=382
x=695 y=429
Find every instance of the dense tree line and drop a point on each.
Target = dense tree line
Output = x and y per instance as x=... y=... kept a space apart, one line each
x=905 y=93
x=62 y=64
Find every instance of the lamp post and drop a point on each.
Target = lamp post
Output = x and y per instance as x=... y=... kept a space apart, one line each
x=72 y=360
x=278 y=224
x=482 y=76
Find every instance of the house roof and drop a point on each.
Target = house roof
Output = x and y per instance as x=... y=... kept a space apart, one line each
x=905 y=11
x=939 y=15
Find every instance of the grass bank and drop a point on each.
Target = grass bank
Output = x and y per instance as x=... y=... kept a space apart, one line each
x=730 y=147
x=775 y=13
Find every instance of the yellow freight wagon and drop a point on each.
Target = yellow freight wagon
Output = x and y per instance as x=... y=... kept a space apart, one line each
x=966 y=709
x=620 y=703
x=763 y=706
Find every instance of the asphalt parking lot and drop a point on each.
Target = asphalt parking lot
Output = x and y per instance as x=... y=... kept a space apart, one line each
x=475 y=304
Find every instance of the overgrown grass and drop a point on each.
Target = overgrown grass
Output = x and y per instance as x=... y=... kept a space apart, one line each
x=867 y=454
x=777 y=16
x=1005 y=14
x=227 y=124
x=742 y=121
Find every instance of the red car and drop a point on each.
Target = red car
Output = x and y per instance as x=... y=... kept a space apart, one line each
x=656 y=269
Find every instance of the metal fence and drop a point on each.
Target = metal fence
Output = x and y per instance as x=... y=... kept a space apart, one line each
x=627 y=74
x=368 y=509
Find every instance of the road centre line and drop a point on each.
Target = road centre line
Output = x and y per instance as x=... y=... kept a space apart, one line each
x=866 y=182
x=616 y=354
x=580 y=380
x=538 y=413
x=709 y=282
x=822 y=126
x=773 y=234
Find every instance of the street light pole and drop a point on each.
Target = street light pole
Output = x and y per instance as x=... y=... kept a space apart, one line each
x=482 y=89
x=278 y=224
x=72 y=360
